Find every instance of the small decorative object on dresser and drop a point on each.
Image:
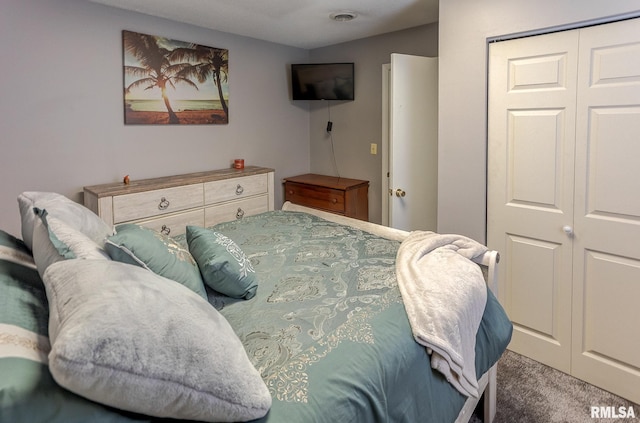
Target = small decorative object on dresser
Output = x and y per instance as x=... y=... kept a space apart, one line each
x=344 y=196
x=169 y=204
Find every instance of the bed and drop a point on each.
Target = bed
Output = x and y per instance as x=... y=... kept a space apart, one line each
x=315 y=331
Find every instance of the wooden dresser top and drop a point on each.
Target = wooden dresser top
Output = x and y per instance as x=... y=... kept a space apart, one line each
x=140 y=185
x=332 y=182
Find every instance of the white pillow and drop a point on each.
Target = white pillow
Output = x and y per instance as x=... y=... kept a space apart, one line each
x=26 y=202
x=126 y=337
x=73 y=214
x=54 y=240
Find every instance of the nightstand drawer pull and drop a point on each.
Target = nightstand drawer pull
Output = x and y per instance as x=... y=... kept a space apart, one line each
x=164 y=204
x=239 y=213
x=165 y=230
x=239 y=189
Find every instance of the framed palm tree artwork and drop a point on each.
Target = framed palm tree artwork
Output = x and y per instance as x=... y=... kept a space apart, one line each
x=173 y=82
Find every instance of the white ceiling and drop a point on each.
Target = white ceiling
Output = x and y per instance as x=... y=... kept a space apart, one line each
x=298 y=23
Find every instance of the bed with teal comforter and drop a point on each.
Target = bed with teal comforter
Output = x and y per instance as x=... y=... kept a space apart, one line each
x=327 y=328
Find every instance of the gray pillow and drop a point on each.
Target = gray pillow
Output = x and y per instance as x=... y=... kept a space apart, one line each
x=54 y=240
x=123 y=336
x=73 y=214
x=28 y=393
x=223 y=265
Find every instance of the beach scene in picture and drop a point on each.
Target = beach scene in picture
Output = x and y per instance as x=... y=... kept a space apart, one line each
x=174 y=82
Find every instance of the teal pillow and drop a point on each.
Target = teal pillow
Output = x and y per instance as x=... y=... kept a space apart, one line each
x=157 y=252
x=23 y=302
x=224 y=266
x=14 y=248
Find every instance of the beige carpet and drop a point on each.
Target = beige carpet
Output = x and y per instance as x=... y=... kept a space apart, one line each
x=529 y=392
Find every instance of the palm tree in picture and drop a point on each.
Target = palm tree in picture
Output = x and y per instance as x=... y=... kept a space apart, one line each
x=155 y=70
x=210 y=62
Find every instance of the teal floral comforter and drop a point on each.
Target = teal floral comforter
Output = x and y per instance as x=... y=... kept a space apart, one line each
x=327 y=328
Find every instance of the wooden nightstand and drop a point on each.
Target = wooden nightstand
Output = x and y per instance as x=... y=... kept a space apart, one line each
x=344 y=196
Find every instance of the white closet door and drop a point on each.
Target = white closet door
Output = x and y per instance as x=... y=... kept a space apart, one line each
x=606 y=300
x=532 y=94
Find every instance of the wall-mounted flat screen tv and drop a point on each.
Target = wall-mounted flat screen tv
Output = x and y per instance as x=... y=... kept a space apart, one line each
x=322 y=81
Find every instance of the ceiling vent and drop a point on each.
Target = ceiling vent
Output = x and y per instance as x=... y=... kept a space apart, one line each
x=343 y=16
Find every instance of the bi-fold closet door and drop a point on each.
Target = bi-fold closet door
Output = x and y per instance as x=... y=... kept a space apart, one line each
x=564 y=198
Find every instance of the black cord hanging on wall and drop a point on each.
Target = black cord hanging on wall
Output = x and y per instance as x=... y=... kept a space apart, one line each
x=329 y=128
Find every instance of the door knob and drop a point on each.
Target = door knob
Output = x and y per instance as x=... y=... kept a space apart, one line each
x=400 y=193
x=568 y=230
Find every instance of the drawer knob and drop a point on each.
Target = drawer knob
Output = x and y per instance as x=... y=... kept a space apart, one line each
x=164 y=204
x=239 y=189
x=239 y=213
x=290 y=192
x=334 y=200
x=165 y=230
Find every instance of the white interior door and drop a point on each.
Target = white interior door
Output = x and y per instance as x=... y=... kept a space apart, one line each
x=606 y=309
x=411 y=122
x=532 y=94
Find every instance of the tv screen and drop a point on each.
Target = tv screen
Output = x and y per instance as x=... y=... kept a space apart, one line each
x=322 y=81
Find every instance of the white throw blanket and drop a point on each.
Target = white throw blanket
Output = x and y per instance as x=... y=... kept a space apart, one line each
x=445 y=296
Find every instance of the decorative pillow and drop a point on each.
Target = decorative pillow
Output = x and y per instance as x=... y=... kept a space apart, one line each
x=28 y=392
x=157 y=252
x=15 y=250
x=223 y=265
x=73 y=214
x=132 y=339
x=69 y=242
x=54 y=240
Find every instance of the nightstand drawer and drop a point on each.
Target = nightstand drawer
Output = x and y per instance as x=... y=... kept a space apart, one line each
x=156 y=202
x=176 y=224
x=344 y=196
x=237 y=188
x=315 y=197
x=235 y=210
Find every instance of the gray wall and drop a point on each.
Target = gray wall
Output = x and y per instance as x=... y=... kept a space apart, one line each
x=61 y=118
x=61 y=105
x=358 y=123
x=465 y=26
x=61 y=115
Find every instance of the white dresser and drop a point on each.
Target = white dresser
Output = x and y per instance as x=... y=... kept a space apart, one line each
x=169 y=204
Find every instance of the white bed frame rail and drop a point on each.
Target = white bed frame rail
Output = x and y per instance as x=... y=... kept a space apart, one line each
x=490 y=259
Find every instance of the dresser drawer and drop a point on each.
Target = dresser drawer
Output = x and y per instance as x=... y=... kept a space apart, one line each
x=315 y=196
x=146 y=204
x=232 y=189
x=235 y=210
x=176 y=224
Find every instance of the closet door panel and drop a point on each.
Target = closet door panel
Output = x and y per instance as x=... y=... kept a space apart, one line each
x=530 y=188
x=606 y=340
x=613 y=174
x=534 y=286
